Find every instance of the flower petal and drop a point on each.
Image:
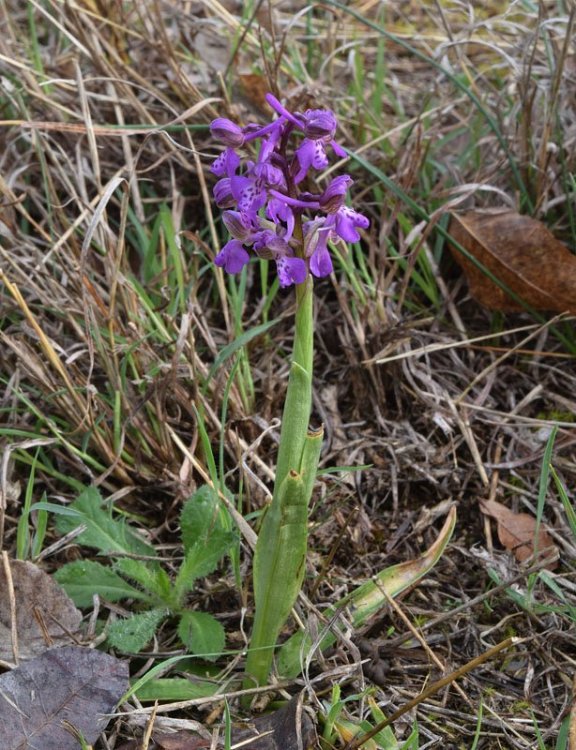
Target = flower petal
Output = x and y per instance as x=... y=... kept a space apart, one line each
x=233 y=257
x=226 y=164
x=346 y=222
x=320 y=261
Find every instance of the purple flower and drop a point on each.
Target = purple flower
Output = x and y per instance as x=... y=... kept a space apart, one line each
x=310 y=154
x=233 y=257
x=226 y=164
x=227 y=132
x=269 y=245
x=278 y=211
x=317 y=235
x=250 y=197
x=321 y=262
x=269 y=175
x=345 y=222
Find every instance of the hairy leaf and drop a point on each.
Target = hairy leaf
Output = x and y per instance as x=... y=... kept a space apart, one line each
x=131 y=634
x=103 y=532
x=84 y=578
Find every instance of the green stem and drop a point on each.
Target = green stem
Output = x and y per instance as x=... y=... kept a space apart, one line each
x=298 y=405
x=280 y=555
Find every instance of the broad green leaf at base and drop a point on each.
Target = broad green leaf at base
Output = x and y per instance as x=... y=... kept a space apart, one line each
x=202 y=634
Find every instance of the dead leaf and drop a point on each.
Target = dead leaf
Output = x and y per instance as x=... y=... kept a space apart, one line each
x=517 y=532
x=181 y=740
x=289 y=728
x=72 y=685
x=45 y=614
x=255 y=87
x=522 y=253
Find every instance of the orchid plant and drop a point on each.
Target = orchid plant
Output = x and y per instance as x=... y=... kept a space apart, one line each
x=266 y=211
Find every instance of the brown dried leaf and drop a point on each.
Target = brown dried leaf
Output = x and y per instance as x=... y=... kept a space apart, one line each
x=181 y=740
x=519 y=251
x=45 y=614
x=517 y=532
x=289 y=728
x=69 y=686
x=255 y=87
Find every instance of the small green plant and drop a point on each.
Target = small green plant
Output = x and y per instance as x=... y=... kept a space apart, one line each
x=134 y=573
x=339 y=728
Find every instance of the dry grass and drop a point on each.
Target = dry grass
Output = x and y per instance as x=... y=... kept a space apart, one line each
x=112 y=314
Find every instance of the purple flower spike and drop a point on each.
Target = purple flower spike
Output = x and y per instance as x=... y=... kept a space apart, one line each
x=233 y=257
x=266 y=212
x=227 y=132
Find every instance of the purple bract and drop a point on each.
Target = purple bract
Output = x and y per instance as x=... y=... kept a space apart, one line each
x=267 y=204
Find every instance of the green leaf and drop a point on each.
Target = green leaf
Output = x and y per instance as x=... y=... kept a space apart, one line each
x=366 y=600
x=206 y=538
x=202 y=634
x=176 y=689
x=133 y=633
x=200 y=517
x=278 y=570
x=150 y=576
x=103 y=532
x=84 y=578
x=201 y=560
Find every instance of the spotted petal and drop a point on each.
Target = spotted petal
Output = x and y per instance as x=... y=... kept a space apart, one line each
x=290 y=271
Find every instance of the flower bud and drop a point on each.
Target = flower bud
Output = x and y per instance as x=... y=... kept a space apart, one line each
x=227 y=132
x=268 y=245
x=222 y=193
x=234 y=224
x=319 y=123
x=333 y=197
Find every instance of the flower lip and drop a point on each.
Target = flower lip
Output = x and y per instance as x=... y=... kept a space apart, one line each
x=233 y=257
x=291 y=270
